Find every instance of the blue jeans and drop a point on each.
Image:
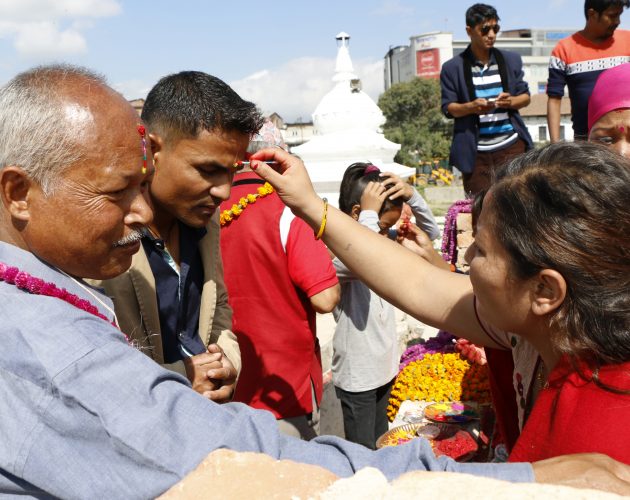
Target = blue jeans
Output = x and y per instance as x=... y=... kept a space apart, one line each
x=365 y=414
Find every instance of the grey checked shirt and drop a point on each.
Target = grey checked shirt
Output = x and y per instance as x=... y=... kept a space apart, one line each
x=84 y=415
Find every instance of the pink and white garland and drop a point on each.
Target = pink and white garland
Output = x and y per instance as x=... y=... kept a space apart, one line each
x=37 y=286
x=449 y=239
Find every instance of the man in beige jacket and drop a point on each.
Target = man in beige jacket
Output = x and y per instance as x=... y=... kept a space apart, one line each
x=172 y=302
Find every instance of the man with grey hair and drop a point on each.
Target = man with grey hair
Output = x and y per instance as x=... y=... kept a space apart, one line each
x=84 y=413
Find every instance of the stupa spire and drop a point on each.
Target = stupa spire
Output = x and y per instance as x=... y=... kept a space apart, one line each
x=344 y=71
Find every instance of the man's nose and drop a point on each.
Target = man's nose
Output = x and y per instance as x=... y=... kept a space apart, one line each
x=221 y=189
x=140 y=212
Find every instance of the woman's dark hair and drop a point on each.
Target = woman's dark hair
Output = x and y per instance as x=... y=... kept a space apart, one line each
x=480 y=12
x=182 y=105
x=477 y=206
x=600 y=6
x=567 y=207
x=354 y=181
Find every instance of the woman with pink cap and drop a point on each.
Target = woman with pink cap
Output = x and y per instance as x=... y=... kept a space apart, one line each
x=609 y=110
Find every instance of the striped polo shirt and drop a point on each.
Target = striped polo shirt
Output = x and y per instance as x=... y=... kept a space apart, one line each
x=495 y=129
x=577 y=62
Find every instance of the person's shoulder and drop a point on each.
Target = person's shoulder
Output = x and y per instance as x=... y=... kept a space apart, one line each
x=565 y=44
x=453 y=62
x=52 y=331
x=622 y=36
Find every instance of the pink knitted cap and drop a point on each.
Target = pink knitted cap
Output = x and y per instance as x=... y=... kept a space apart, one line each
x=611 y=91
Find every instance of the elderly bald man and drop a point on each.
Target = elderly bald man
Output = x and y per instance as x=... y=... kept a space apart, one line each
x=84 y=414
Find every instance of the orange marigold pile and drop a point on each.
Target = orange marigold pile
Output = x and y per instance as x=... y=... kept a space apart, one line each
x=440 y=377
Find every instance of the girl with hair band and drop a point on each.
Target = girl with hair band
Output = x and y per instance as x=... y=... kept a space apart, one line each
x=365 y=345
x=550 y=264
x=609 y=110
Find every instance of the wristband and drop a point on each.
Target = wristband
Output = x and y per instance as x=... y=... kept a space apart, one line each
x=324 y=218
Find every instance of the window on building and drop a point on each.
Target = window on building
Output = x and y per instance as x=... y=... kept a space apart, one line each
x=562 y=137
x=542 y=133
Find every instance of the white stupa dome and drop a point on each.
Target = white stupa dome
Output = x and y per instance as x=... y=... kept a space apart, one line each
x=347 y=125
x=346 y=106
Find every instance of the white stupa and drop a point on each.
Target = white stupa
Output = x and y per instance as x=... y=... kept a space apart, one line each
x=347 y=125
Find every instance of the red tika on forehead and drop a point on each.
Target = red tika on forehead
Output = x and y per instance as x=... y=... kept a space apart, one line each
x=142 y=131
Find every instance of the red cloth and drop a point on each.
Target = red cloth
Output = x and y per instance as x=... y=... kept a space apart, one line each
x=574 y=415
x=500 y=370
x=269 y=290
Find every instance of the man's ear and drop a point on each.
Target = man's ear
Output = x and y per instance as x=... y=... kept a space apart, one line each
x=15 y=187
x=468 y=30
x=356 y=210
x=590 y=14
x=549 y=293
x=157 y=144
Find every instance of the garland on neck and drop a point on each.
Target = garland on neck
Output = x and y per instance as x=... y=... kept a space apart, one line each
x=449 y=238
x=37 y=286
x=228 y=216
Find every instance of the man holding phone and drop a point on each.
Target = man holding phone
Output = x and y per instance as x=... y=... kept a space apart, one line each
x=483 y=89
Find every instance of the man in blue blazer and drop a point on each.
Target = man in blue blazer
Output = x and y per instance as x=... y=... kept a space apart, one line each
x=483 y=89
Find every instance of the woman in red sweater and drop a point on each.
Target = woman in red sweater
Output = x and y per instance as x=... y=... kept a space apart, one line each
x=550 y=264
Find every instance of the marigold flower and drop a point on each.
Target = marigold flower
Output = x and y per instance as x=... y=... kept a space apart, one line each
x=439 y=377
x=237 y=209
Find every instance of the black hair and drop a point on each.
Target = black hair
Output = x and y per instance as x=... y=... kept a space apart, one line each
x=184 y=104
x=565 y=207
x=477 y=206
x=479 y=13
x=600 y=6
x=354 y=181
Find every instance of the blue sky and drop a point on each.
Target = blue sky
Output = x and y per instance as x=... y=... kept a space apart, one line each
x=278 y=53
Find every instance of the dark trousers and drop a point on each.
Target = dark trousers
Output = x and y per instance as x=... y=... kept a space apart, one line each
x=365 y=414
x=486 y=164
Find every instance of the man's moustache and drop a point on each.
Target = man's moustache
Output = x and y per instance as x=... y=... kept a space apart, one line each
x=135 y=235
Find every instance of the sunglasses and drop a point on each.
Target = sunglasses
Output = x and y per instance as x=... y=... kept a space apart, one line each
x=486 y=29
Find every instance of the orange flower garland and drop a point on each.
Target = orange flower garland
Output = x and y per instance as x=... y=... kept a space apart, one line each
x=228 y=216
x=440 y=377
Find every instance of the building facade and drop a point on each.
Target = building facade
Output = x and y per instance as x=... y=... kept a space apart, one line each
x=426 y=53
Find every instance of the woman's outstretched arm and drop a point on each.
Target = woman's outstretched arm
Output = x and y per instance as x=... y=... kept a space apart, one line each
x=434 y=296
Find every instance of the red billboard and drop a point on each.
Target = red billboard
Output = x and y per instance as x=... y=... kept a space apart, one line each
x=428 y=63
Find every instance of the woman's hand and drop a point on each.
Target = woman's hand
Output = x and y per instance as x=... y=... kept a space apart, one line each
x=396 y=187
x=471 y=352
x=290 y=180
x=373 y=196
x=415 y=239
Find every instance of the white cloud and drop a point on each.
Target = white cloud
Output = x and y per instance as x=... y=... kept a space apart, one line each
x=45 y=39
x=25 y=11
x=294 y=89
x=46 y=28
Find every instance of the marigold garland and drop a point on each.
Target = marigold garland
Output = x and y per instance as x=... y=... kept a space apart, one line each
x=443 y=343
x=228 y=216
x=440 y=377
